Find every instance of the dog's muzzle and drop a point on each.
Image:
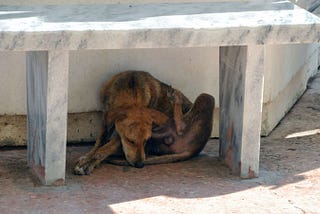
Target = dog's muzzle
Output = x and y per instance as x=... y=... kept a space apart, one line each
x=139 y=165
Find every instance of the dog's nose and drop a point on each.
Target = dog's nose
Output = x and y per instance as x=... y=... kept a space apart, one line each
x=139 y=164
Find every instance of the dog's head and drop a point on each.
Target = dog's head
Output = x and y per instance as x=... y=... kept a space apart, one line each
x=134 y=126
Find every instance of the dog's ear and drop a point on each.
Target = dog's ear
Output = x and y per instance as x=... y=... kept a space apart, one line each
x=117 y=114
x=158 y=117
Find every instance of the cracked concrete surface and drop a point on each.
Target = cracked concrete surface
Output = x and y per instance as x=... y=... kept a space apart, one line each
x=289 y=179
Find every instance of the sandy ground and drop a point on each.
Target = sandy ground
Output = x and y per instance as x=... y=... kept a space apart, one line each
x=289 y=179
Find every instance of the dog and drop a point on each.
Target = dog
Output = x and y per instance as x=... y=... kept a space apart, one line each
x=183 y=136
x=133 y=103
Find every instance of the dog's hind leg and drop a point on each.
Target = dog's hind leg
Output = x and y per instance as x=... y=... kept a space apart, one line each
x=177 y=113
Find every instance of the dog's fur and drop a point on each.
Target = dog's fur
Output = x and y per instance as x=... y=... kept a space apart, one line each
x=183 y=136
x=133 y=102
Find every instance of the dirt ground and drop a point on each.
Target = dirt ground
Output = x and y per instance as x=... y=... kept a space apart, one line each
x=289 y=179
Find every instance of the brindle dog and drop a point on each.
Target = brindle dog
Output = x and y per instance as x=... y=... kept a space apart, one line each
x=134 y=102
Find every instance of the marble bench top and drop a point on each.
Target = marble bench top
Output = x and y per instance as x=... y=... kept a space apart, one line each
x=155 y=25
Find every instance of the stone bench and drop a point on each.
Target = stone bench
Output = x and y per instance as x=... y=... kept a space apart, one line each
x=240 y=29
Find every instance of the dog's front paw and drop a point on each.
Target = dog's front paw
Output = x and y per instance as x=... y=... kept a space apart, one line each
x=79 y=170
x=85 y=169
x=84 y=166
x=81 y=165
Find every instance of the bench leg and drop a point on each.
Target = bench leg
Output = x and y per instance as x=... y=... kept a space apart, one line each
x=47 y=88
x=241 y=89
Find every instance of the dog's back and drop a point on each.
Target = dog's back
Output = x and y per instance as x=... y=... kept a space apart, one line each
x=138 y=89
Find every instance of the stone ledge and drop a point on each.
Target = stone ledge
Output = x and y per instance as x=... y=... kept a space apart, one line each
x=82 y=128
x=74 y=27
